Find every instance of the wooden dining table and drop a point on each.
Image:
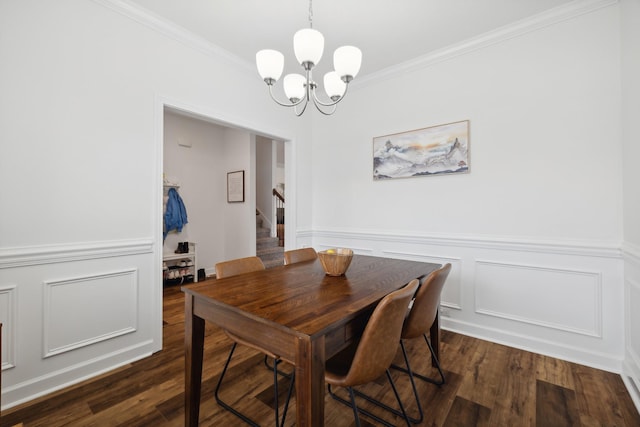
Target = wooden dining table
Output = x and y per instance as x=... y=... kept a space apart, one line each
x=295 y=311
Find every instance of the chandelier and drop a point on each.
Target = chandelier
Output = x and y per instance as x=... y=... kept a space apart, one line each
x=308 y=45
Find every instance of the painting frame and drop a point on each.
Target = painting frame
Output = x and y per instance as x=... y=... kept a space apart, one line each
x=435 y=150
x=235 y=187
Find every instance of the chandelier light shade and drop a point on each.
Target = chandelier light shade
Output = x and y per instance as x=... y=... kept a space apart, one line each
x=308 y=46
x=294 y=87
x=270 y=64
x=346 y=61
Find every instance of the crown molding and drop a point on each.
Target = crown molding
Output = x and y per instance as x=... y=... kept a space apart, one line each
x=550 y=17
x=534 y=23
x=173 y=31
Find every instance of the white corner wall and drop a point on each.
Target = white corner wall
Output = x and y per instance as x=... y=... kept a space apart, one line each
x=83 y=88
x=630 y=20
x=534 y=230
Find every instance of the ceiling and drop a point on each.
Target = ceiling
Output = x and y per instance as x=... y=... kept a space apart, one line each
x=387 y=32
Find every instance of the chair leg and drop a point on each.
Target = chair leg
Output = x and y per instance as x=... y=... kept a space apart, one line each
x=275 y=388
x=270 y=367
x=224 y=404
x=354 y=407
x=423 y=377
x=286 y=404
x=411 y=374
x=358 y=410
x=395 y=391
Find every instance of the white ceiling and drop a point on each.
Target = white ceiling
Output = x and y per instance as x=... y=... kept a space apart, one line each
x=388 y=32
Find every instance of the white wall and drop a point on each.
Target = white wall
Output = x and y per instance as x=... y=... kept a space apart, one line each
x=83 y=86
x=630 y=17
x=264 y=180
x=240 y=218
x=534 y=230
x=199 y=169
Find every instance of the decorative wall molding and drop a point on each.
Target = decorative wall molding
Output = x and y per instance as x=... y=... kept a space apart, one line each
x=631 y=252
x=83 y=311
x=8 y=304
x=575 y=315
x=534 y=23
x=563 y=247
x=37 y=255
x=631 y=367
x=173 y=31
x=560 y=350
x=550 y=17
x=33 y=388
x=524 y=291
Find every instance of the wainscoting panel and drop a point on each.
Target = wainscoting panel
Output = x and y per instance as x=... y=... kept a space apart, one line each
x=7 y=318
x=568 y=300
x=632 y=350
x=86 y=310
x=75 y=311
x=560 y=298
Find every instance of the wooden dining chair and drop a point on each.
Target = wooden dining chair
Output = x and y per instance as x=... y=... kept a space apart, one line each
x=422 y=314
x=299 y=255
x=234 y=268
x=371 y=356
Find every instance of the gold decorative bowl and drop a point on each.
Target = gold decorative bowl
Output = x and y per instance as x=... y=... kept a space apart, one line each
x=335 y=261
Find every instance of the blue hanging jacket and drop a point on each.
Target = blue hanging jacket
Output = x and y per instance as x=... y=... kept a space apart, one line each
x=175 y=215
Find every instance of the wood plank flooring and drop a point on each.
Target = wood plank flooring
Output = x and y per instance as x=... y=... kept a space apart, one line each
x=487 y=385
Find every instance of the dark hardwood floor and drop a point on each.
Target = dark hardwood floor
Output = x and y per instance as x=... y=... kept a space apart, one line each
x=487 y=385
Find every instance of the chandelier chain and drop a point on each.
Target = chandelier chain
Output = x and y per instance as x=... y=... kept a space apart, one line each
x=310 y=13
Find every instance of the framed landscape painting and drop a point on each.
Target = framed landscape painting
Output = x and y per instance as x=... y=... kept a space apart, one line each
x=442 y=149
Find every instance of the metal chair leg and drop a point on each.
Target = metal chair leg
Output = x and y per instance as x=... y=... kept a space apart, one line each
x=423 y=377
x=407 y=370
x=357 y=409
x=393 y=410
x=270 y=367
x=275 y=387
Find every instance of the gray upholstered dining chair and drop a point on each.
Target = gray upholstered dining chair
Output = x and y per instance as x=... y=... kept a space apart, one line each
x=234 y=268
x=299 y=255
x=371 y=356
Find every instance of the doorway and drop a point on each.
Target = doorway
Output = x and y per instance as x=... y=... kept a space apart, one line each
x=209 y=199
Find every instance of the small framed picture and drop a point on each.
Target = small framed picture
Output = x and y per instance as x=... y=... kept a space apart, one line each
x=235 y=187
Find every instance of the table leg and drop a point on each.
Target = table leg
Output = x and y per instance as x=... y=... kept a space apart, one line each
x=434 y=335
x=193 y=349
x=310 y=359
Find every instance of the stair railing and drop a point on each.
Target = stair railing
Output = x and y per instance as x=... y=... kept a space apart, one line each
x=279 y=202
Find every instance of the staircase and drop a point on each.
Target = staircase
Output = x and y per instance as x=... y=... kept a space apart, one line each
x=267 y=248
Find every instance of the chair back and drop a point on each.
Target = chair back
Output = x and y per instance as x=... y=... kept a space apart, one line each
x=379 y=341
x=238 y=266
x=425 y=304
x=299 y=255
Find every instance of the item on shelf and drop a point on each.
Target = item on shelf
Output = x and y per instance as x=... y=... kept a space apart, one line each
x=183 y=248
